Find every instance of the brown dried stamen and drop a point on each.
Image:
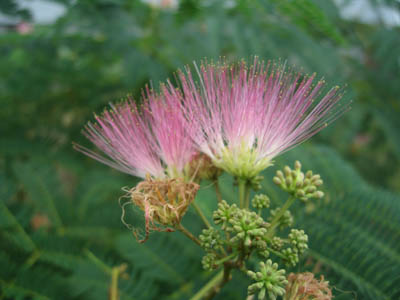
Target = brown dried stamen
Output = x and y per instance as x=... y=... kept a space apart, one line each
x=164 y=202
x=304 y=286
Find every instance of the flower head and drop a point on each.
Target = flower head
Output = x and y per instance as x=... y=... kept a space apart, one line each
x=244 y=116
x=303 y=286
x=164 y=202
x=152 y=139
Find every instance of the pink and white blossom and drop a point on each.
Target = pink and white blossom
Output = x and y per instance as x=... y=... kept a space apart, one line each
x=244 y=116
x=146 y=140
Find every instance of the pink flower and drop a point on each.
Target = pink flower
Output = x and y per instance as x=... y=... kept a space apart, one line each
x=244 y=116
x=24 y=28
x=150 y=140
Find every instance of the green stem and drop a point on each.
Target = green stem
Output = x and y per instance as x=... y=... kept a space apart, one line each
x=201 y=215
x=276 y=253
x=114 y=284
x=226 y=258
x=100 y=264
x=282 y=210
x=247 y=196
x=242 y=192
x=218 y=191
x=209 y=286
x=116 y=272
x=226 y=277
x=188 y=234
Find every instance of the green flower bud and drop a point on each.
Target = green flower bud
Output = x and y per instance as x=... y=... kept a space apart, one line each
x=298 y=239
x=277 y=181
x=208 y=261
x=269 y=281
x=291 y=257
x=287 y=171
x=276 y=243
x=300 y=193
x=311 y=189
x=210 y=239
x=315 y=177
x=247 y=226
x=297 y=184
x=260 y=201
x=318 y=182
x=318 y=194
x=224 y=214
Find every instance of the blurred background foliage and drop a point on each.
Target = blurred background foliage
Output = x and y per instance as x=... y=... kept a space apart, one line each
x=60 y=230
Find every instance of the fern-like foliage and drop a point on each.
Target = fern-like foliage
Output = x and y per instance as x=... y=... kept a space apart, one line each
x=354 y=231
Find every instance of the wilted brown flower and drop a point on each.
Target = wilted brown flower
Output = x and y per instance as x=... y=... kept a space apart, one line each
x=303 y=286
x=164 y=202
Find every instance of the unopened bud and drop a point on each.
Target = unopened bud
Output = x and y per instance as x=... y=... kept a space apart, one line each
x=318 y=194
x=287 y=170
x=315 y=177
x=311 y=189
x=300 y=193
x=277 y=181
x=297 y=165
x=318 y=182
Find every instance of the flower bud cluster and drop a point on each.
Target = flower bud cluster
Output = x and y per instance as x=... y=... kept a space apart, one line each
x=224 y=214
x=268 y=281
x=298 y=242
x=291 y=257
x=210 y=239
x=247 y=226
x=260 y=201
x=209 y=261
x=276 y=243
x=249 y=230
x=298 y=239
x=298 y=184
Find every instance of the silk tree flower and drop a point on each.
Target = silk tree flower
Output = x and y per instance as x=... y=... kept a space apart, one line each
x=149 y=140
x=244 y=116
x=303 y=286
x=152 y=142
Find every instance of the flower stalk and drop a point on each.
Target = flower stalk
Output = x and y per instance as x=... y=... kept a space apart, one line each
x=275 y=221
x=186 y=232
x=201 y=215
x=242 y=192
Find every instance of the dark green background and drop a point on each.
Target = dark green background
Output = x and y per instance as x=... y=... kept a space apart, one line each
x=54 y=78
